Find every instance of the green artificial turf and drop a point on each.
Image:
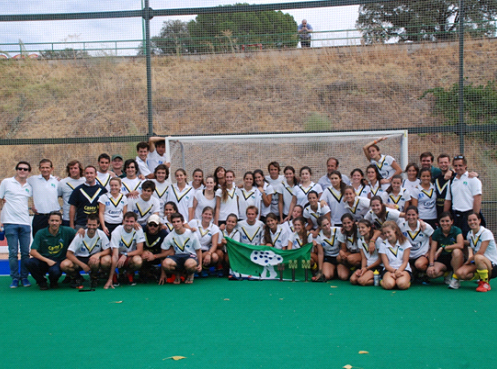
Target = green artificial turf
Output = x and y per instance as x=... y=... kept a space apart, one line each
x=216 y=323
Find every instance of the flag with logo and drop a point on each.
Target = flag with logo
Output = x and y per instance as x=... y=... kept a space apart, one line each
x=265 y=262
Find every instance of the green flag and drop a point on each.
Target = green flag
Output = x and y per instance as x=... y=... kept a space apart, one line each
x=264 y=262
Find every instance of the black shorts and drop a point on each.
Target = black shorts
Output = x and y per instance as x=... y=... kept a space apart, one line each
x=83 y=259
x=330 y=259
x=445 y=258
x=180 y=259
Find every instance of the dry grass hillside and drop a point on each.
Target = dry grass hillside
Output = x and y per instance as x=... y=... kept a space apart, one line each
x=375 y=87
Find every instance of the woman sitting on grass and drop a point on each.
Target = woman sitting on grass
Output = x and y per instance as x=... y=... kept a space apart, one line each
x=370 y=261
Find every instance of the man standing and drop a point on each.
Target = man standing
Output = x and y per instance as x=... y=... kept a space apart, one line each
x=331 y=165
x=117 y=166
x=74 y=170
x=305 y=30
x=157 y=154
x=442 y=181
x=48 y=249
x=85 y=253
x=84 y=199
x=142 y=149
x=15 y=192
x=464 y=194
x=104 y=174
x=45 y=195
x=426 y=160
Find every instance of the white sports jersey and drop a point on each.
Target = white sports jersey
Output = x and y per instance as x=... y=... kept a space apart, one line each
x=124 y=241
x=371 y=258
x=362 y=190
x=205 y=234
x=234 y=235
x=203 y=202
x=288 y=226
x=186 y=243
x=86 y=246
x=287 y=192
x=336 y=202
x=410 y=186
x=427 y=202
x=130 y=185
x=104 y=179
x=64 y=189
x=419 y=240
x=230 y=206
x=279 y=239
x=182 y=198
x=475 y=241
x=154 y=159
x=265 y=210
x=143 y=167
x=359 y=208
x=160 y=193
x=251 y=234
x=384 y=165
x=351 y=244
x=297 y=243
x=331 y=244
x=378 y=190
x=114 y=207
x=246 y=199
x=395 y=253
x=200 y=189
x=144 y=209
x=390 y=214
x=276 y=183
x=300 y=192
x=398 y=200
x=313 y=215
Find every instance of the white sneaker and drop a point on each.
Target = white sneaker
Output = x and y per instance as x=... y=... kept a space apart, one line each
x=447 y=279
x=454 y=284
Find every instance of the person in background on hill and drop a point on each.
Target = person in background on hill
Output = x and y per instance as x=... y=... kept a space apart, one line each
x=464 y=195
x=84 y=199
x=48 y=249
x=74 y=170
x=426 y=159
x=394 y=252
x=305 y=30
x=117 y=166
x=45 y=195
x=103 y=173
x=331 y=166
x=386 y=164
x=157 y=154
x=142 y=149
x=15 y=192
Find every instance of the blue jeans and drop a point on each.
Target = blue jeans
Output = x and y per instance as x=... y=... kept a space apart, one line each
x=18 y=236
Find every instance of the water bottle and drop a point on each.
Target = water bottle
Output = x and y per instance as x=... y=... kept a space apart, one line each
x=376 y=276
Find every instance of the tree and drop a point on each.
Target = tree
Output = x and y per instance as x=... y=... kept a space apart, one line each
x=425 y=20
x=67 y=53
x=173 y=38
x=227 y=31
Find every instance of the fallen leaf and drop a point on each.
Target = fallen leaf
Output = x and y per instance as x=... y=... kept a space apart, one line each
x=333 y=286
x=226 y=299
x=117 y=302
x=175 y=357
x=348 y=366
x=363 y=352
x=282 y=299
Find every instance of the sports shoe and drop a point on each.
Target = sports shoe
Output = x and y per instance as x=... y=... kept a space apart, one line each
x=483 y=287
x=77 y=283
x=25 y=282
x=204 y=273
x=43 y=286
x=131 y=279
x=66 y=280
x=447 y=279
x=15 y=283
x=94 y=282
x=115 y=280
x=454 y=284
x=54 y=285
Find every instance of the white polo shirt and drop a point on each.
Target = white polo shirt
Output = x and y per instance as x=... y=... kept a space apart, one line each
x=45 y=193
x=464 y=190
x=16 y=209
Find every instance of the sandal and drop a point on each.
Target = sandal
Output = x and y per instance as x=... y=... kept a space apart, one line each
x=319 y=277
x=177 y=279
x=189 y=279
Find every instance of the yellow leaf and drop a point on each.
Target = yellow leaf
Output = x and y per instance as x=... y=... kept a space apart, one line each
x=348 y=366
x=333 y=286
x=175 y=357
x=117 y=302
x=363 y=352
x=226 y=299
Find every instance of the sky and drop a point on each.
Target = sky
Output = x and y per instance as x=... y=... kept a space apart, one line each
x=77 y=31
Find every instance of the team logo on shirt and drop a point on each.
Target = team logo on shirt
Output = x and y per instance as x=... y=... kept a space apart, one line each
x=130 y=189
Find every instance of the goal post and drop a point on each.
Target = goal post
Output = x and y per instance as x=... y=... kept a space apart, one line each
x=248 y=152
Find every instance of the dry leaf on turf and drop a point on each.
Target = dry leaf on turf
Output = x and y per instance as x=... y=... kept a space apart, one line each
x=175 y=357
x=348 y=366
x=363 y=352
x=117 y=302
x=333 y=286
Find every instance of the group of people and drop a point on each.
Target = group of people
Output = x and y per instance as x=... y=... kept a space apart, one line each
x=121 y=218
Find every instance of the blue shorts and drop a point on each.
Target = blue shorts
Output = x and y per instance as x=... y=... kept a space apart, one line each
x=181 y=258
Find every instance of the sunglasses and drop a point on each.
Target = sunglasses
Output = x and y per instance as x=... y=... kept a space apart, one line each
x=23 y=169
x=458 y=157
x=152 y=225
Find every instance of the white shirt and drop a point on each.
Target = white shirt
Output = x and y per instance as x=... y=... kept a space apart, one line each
x=475 y=241
x=104 y=179
x=399 y=200
x=16 y=209
x=462 y=192
x=45 y=193
x=160 y=192
x=336 y=202
x=419 y=240
x=64 y=189
x=186 y=243
x=279 y=239
x=384 y=165
x=144 y=209
x=130 y=185
x=325 y=182
x=182 y=198
x=313 y=215
x=300 y=192
x=124 y=241
x=205 y=235
x=154 y=159
x=331 y=245
x=86 y=246
x=203 y=202
x=114 y=207
x=276 y=183
x=427 y=202
x=359 y=208
x=143 y=167
x=246 y=199
x=395 y=253
x=231 y=204
x=251 y=234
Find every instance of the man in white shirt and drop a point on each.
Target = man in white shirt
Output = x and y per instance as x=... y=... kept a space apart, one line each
x=331 y=165
x=74 y=170
x=45 y=195
x=157 y=153
x=142 y=149
x=15 y=220
x=103 y=173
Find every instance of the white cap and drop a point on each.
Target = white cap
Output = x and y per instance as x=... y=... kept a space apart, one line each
x=154 y=218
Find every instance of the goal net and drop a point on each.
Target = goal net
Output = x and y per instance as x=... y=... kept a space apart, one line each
x=243 y=153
